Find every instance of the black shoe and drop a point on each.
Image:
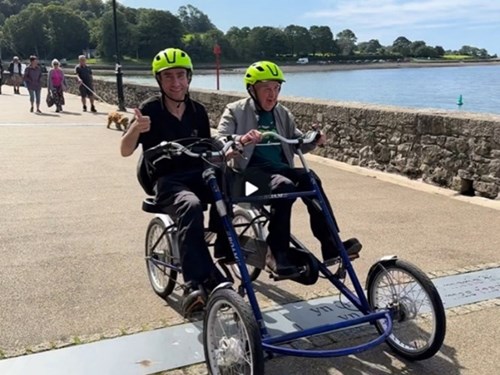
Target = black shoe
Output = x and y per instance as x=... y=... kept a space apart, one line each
x=84 y=108
x=352 y=246
x=223 y=251
x=92 y=109
x=280 y=264
x=194 y=301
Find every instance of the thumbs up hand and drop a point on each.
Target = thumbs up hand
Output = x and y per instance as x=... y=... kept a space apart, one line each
x=140 y=123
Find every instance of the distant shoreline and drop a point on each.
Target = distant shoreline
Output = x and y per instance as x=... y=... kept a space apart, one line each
x=363 y=66
x=298 y=68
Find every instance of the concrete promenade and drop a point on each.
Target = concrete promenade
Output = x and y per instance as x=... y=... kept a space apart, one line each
x=72 y=243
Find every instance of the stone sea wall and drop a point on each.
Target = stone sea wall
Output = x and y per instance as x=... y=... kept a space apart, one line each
x=459 y=151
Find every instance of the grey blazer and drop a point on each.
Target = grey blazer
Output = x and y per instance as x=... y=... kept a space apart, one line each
x=241 y=116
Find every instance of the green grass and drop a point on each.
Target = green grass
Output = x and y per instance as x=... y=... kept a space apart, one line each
x=457 y=57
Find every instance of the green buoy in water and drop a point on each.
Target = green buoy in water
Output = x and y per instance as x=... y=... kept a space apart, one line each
x=460 y=100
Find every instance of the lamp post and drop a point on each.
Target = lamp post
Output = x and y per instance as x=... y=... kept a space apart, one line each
x=118 y=67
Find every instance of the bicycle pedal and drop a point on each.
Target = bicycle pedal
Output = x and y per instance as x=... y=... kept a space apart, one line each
x=353 y=256
x=277 y=277
x=338 y=260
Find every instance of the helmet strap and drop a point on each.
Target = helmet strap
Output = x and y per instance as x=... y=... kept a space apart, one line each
x=251 y=92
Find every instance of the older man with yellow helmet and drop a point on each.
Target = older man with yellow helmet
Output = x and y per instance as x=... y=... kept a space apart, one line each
x=247 y=119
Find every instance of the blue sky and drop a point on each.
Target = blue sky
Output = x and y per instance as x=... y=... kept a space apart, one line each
x=447 y=23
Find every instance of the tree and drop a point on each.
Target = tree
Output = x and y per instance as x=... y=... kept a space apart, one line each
x=439 y=51
x=238 y=41
x=266 y=42
x=24 y=34
x=473 y=51
x=346 y=42
x=322 y=39
x=371 y=47
x=152 y=36
x=87 y=9
x=426 y=51
x=106 y=35
x=194 y=20
x=10 y=7
x=61 y=23
x=402 y=46
x=200 y=45
x=417 y=48
x=299 y=40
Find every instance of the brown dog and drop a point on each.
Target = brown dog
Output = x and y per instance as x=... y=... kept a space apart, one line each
x=120 y=120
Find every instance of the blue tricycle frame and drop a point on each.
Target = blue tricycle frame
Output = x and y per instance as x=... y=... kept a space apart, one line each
x=225 y=353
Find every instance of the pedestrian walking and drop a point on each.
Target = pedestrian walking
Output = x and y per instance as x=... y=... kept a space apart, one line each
x=85 y=80
x=16 y=73
x=56 y=85
x=33 y=81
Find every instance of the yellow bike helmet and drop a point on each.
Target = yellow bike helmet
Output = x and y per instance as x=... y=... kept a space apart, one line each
x=171 y=58
x=263 y=71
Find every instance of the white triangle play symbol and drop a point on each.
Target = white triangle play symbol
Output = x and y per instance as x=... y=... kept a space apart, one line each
x=250 y=188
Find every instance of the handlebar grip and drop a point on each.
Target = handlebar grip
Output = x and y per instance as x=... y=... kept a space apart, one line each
x=318 y=135
x=156 y=150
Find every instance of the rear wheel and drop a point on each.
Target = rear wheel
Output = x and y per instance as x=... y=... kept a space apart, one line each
x=419 y=320
x=231 y=336
x=241 y=221
x=158 y=253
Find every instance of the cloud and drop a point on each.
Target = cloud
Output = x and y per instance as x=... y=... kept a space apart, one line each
x=409 y=14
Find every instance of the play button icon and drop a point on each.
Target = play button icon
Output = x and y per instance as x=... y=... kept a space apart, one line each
x=251 y=183
x=250 y=188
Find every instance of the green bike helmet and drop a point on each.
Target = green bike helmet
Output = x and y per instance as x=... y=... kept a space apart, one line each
x=263 y=71
x=171 y=58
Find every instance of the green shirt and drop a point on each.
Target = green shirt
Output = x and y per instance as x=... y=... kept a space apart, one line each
x=267 y=156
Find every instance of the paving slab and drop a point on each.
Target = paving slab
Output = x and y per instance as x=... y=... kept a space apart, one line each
x=72 y=240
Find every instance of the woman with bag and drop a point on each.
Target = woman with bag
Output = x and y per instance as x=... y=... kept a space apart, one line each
x=56 y=84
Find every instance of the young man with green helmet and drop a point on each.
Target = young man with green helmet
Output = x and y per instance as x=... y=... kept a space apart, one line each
x=180 y=189
x=248 y=119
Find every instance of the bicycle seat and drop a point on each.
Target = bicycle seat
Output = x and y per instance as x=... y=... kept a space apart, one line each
x=150 y=205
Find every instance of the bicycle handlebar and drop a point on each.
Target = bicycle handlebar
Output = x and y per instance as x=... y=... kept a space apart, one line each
x=308 y=137
x=165 y=150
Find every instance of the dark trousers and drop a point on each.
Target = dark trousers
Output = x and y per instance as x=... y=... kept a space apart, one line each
x=182 y=197
x=296 y=180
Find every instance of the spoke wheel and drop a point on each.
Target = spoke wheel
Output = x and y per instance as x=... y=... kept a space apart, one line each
x=159 y=249
x=242 y=220
x=419 y=320
x=231 y=337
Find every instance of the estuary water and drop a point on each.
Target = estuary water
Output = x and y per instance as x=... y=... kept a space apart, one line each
x=432 y=87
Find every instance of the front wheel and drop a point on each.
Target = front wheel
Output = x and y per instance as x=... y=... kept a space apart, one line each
x=158 y=253
x=231 y=336
x=419 y=320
